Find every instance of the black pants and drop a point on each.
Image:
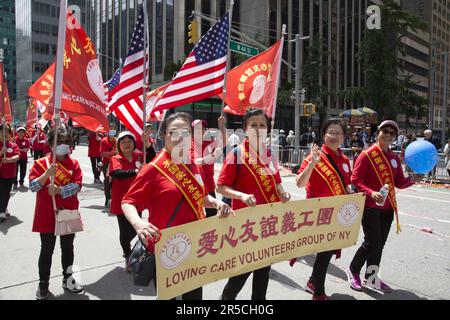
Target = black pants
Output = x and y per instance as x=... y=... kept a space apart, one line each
x=48 y=241
x=95 y=169
x=259 y=286
x=5 y=193
x=126 y=234
x=320 y=271
x=106 y=183
x=38 y=154
x=22 y=167
x=376 y=225
x=196 y=294
x=211 y=212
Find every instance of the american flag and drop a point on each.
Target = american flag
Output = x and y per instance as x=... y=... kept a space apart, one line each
x=111 y=84
x=202 y=74
x=125 y=99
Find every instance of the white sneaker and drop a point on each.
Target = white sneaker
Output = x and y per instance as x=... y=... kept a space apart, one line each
x=2 y=217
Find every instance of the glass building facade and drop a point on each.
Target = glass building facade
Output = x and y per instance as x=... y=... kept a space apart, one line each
x=8 y=44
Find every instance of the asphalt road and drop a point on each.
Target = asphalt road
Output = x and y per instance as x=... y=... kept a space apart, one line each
x=416 y=263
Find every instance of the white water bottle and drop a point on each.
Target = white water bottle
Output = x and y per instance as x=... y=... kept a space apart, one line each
x=384 y=191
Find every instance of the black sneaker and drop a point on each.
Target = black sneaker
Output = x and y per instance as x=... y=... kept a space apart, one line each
x=42 y=292
x=15 y=186
x=106 y=203
x=74 y=286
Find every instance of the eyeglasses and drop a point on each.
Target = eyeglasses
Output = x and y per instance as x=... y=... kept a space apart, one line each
x=180 y=133
x=390 y=132
x=334 y=133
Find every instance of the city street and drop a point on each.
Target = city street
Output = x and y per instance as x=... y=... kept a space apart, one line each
x=416 y=263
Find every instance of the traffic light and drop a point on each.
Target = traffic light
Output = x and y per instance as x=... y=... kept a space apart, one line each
x=193 y=32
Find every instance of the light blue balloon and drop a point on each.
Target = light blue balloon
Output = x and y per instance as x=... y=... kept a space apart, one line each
x=421 y=156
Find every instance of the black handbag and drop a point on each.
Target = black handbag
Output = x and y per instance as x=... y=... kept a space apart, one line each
x=142 y=263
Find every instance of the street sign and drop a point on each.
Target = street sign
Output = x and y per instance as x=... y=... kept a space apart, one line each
x=243 y=48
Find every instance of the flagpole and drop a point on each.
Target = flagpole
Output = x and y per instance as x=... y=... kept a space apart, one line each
x=228 y=57
x=145 y=84
x=59 y=81
x=2 y=100
x=274 y=107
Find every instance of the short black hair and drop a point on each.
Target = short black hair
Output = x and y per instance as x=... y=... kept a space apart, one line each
x=63 y=135
x=177 y=115
x=330 y=122
x=252 y=113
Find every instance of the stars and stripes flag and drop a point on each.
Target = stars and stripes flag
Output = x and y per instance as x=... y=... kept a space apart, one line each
x=126 y=98
x=111 y=84
x=202 y=74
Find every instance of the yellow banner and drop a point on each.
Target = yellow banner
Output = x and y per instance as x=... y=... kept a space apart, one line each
x=194 y=254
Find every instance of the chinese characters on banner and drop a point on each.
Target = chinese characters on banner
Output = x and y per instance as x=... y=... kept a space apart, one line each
x=205 y=251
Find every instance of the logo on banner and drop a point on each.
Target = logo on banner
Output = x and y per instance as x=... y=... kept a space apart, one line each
x=347 y=214
x=259 y=85
x=95 y=79
x=175 y=251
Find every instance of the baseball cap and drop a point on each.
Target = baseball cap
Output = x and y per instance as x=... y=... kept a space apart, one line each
x=391 y=123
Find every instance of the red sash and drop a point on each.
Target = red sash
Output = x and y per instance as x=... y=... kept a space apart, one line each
x=183 y=178
x=260 y=172
x=383 y=169
x=327 y=172
x=62 y=176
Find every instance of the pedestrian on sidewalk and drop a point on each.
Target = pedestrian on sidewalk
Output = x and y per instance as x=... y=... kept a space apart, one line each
x=94 y=139
x=9 y=155
x=320 y=185
x=68 y=180
x=122 y=171
x=376 y=167
x=158 y=187
x=240 y=181
x=24 y=145
x=108 y=149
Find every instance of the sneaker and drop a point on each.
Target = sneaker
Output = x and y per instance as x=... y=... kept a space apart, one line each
x=2 y=217
x=15 y=186
x=98 y=181
x=321 y=297
x=378 y=284
x=74 y=287
x=354 y=280
x=310 y=287
x=42 y=292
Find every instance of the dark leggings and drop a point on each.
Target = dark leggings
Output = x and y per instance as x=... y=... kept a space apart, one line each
x=127 y=233
x=106 y=183
x=94 y=165
x=38 y=154
x=320 y=271
x=48 y=241
x=196 y=294
x=376 y=225
x=5 y=193
x=259 y=286
x=22 y=167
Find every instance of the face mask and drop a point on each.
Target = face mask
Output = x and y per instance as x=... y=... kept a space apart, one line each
x=62 y=149
x=112 y=133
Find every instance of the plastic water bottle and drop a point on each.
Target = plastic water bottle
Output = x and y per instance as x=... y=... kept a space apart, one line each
x=384 y=192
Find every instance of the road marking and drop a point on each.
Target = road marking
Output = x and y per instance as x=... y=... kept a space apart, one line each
x=424 y=218
x=432 y=191
x=423 y=198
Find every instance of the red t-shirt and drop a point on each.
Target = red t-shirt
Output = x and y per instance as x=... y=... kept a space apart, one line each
x=153 y=191
x=238 y=177
x=8 y=170
x=39 y=142
x=366 y=180
x=94 y=145
x=208 y=169
x=317 y=186
x=107 y=146
x=23 y=144
x=119 y=187
x=44 y=217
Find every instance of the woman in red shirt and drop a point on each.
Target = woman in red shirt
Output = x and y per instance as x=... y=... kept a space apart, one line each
x=9 y=155
x=108 y=149
x=68 y=180
x=242 y=183
x=329 y=159
x=374 y=168
x=170 y=187
x=23 y=144
x=122 y=171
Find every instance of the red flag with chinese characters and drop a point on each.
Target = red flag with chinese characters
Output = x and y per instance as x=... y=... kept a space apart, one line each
x=83 y=96
x=253 y=84
x=5 y=105
x=152 y=99
x=31 y=114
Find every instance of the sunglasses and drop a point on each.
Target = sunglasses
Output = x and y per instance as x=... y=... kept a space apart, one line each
x=390 y=132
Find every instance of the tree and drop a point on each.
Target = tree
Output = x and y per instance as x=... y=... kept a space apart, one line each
x=171 y=68
x=408 y=102
x=312 y=68
x=380 y=56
